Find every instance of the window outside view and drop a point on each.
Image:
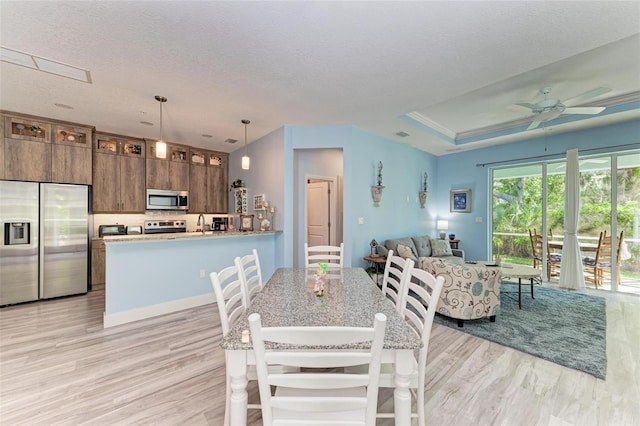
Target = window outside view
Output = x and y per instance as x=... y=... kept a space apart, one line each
x=518 y=209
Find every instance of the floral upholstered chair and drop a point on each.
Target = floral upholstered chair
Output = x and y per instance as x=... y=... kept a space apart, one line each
x=469 y=291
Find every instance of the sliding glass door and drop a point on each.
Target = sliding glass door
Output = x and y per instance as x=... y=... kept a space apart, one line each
x=531 y=197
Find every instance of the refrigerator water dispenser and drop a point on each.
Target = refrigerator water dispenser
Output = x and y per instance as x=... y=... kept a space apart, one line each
x=16 y=233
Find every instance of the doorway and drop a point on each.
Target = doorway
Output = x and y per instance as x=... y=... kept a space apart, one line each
x=321 y=212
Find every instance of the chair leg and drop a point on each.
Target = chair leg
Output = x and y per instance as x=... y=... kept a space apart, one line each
x=227 y=404
x=420 y=405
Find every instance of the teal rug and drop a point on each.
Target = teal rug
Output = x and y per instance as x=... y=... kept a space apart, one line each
x=560 y=326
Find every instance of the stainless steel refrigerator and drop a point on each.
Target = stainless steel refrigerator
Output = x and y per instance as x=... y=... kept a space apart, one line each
x=44 y=239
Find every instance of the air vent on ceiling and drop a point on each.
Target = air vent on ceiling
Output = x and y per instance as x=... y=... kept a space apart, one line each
x=231 y=140
x=146 y=123
x=204 y=135
x=402 y=134
x=43 y=64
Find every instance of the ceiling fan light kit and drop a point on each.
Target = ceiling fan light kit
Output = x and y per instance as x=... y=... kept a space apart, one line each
x=551 y=108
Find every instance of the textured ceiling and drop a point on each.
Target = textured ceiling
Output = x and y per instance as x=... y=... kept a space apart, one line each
x=460 y=64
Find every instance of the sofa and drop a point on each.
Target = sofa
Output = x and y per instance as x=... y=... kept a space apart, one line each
x=470 y=291
x=422 y=246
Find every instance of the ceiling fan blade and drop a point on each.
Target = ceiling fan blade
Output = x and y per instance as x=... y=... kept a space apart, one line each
x=580 y=99
x=526 y=105
x=534 y=125
x=584 y=110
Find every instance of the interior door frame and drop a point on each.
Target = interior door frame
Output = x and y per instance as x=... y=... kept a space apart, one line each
x=333 y=203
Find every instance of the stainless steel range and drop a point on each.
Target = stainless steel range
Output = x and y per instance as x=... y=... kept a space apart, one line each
x=164 y=226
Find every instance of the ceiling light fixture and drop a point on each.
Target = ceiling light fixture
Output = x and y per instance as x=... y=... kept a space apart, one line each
x=246 y=161
x=161 y=147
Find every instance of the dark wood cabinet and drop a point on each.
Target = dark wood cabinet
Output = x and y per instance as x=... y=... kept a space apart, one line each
x=97 y=264
x=71 y=159
x=27 y=149
x=34 y=149
x=118 y=174
x=208 y=182
x=171 y=172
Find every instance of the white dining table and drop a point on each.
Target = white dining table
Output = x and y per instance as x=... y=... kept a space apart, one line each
x=350 y=299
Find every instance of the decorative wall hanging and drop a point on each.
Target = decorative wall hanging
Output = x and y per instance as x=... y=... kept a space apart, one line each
x=376 y=191
x=422 y=195
x=460 y=201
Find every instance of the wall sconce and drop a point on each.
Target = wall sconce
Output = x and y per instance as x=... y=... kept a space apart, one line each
x=442 y=225
x=422 y=195
x=161 y=146
x=376 y=191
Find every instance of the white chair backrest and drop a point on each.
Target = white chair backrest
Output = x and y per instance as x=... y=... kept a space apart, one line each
x=230 y=294
x=250 y=273
x=304 y=398
x=395 y=275
x=333 y=256
x=420 y=299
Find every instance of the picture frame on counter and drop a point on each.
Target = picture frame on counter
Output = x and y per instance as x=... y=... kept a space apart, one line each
x=258 y=202
x=246 y=222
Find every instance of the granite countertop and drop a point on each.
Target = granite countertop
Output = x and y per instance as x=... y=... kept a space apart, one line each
x=182 y=236
x=350 y=299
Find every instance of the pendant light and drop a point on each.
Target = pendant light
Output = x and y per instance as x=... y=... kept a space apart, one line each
x=246 y=161
x=161 y=146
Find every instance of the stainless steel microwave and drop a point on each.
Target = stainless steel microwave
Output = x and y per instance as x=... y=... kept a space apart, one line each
x=161 y=199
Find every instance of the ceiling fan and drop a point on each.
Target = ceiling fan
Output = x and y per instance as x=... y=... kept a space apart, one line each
x=549 y=108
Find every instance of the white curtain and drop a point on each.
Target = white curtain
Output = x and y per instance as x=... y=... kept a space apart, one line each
x=571 y=275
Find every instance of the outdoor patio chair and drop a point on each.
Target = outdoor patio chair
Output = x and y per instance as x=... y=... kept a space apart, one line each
x=595 y=267
x=553 y=259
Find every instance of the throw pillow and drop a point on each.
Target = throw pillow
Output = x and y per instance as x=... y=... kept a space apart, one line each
x=440 y=248
x=405 y=252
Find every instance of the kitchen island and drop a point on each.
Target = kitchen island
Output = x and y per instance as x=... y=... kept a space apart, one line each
x=155 y=274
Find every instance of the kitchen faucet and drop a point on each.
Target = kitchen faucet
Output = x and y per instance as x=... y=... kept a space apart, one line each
x=203 y=222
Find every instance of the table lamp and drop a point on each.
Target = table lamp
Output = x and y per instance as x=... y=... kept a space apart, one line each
x=373 y=245
x=442 y=225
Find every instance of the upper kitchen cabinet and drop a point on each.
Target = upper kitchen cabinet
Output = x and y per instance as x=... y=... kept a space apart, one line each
x=118 y=174
x=71 y=155
x=27 y=149
x=40 y=150
x=208 y=182
x=170 y=173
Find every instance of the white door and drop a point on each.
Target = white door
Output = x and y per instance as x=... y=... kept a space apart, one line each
x=318 y=208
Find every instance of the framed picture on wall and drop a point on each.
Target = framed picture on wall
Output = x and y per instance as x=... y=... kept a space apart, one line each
x=246 y=222
x=460 y=201
x=258 y=202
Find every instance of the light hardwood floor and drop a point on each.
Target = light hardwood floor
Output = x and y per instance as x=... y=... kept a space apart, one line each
x=59 y=366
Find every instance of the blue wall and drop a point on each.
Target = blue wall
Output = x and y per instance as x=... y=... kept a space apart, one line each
x=460 y=171
x=399 y=214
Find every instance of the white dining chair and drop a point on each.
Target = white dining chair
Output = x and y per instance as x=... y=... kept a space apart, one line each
x=395 y=270
x=232 y=302
x=250 y=273
x=421 y=292
x=333 y=256
x=312 y=397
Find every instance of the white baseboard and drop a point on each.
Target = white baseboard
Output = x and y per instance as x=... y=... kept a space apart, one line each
x=118 y=318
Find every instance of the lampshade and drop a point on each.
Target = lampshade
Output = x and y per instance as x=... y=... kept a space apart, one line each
x=442 y=225
x=161 y=147
x=246 y=161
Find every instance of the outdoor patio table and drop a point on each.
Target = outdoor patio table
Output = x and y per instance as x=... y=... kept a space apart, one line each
x=350 y=299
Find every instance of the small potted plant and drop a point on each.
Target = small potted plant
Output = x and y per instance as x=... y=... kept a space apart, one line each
x=238 y=183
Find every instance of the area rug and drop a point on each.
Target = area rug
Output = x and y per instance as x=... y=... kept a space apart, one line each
x=564 y=327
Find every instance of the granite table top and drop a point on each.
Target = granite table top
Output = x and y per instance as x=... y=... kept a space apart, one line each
x=350 y=299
